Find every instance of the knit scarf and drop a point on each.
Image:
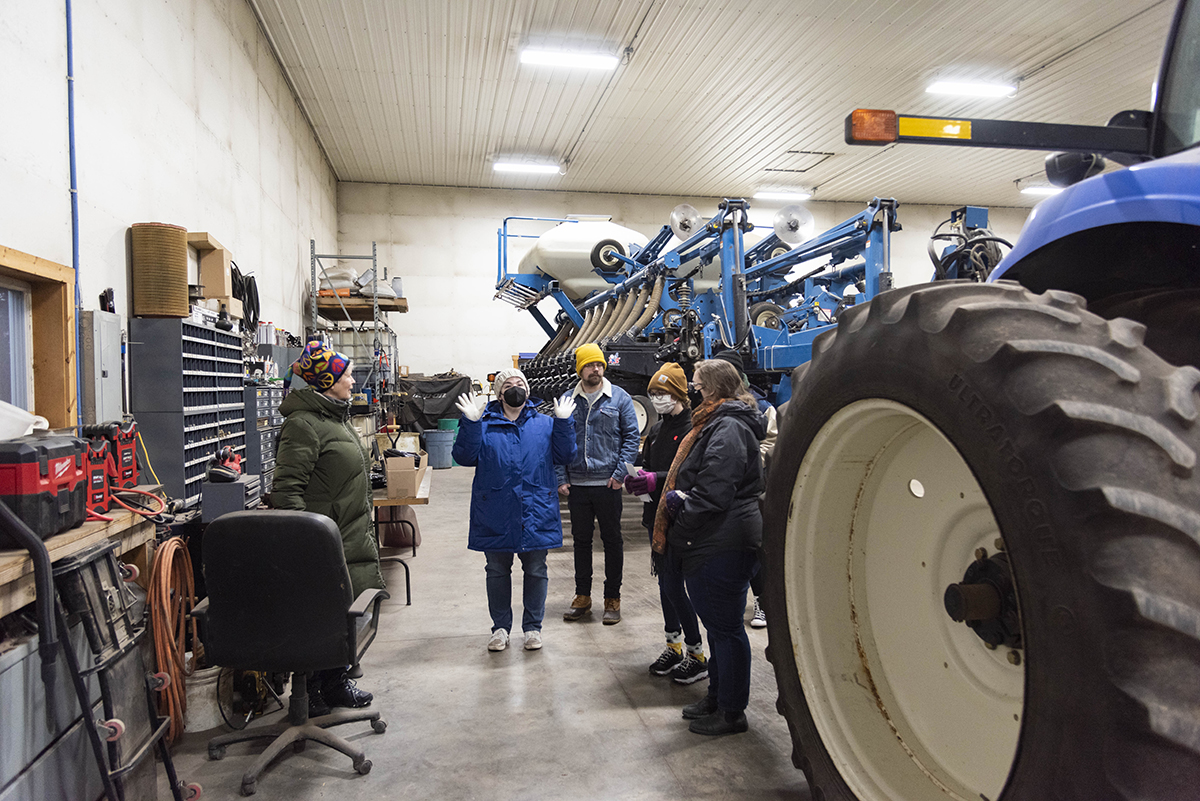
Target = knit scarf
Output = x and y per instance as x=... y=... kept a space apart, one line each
x=700 y=417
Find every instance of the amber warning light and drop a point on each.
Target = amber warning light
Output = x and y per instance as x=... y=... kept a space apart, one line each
x=870 y=126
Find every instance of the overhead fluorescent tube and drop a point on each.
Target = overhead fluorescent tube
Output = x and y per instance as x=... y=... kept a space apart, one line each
x=972 y=89
x=1041 y=190
x=782 y=195
x=567 y=58
x=516 y=166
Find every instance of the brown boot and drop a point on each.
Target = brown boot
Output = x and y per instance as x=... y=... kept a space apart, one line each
x=612 y=611
x=579 y=607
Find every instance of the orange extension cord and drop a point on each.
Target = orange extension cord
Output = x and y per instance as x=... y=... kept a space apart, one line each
x=171 y=597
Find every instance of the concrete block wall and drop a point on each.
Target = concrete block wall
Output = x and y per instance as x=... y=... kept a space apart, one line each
x=442 y=241
x=182 y=115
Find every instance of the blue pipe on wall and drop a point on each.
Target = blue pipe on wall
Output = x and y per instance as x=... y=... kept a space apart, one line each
x=74 y=214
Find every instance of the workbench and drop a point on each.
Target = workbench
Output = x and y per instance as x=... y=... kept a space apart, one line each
x=379 y=498
x=16 y=567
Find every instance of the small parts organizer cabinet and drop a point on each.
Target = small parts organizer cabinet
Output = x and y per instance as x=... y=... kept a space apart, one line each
x=262 y=422
x=187 y=398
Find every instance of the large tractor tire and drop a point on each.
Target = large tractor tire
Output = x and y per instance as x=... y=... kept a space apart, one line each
x=1031 y=454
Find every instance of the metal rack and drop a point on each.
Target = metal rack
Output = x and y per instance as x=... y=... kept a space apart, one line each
x=339 y=309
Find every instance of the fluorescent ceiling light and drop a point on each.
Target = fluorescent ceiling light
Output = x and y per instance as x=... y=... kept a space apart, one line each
x=973 y=89
x=517 y=166
x=567 y=58
x=798 y=195
x=1041 y=190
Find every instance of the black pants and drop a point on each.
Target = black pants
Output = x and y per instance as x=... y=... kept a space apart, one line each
x=589 y=505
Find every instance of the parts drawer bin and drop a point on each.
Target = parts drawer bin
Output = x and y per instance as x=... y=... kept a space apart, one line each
x=43 y=479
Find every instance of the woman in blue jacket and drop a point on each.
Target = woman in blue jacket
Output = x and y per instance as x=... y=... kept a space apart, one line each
x=514 y=497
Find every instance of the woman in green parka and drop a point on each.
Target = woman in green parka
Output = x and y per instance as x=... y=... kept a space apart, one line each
x=320 y=466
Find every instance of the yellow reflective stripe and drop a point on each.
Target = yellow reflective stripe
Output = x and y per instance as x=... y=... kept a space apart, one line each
x=928 y=128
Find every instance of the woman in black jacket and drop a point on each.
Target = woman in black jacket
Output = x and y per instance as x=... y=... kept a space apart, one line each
x=710 y=521
x=683 y=658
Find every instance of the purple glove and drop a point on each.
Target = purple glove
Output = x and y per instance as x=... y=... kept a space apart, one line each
x=641 y=484
x=674 y=501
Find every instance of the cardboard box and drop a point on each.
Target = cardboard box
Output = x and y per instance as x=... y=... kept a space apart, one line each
x=202 y=241
x=232 y=305
x=215 y=276
x=403 y=477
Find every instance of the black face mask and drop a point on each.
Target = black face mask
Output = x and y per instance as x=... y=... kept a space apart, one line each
x=515 y=396
x=695 y=397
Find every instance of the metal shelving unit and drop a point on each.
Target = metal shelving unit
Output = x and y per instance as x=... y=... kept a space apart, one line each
x=187 y=396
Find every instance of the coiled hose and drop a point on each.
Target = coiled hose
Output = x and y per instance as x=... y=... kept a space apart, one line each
x=171 y=597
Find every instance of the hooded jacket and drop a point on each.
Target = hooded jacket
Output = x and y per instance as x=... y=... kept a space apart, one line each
x=514 y=496
x=722 y=476
x=321 y=467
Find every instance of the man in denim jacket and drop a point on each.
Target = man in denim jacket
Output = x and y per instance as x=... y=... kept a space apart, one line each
x=606 y=433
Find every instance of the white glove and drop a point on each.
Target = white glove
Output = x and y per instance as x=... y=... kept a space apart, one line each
x=564 y=407
x=466 y=404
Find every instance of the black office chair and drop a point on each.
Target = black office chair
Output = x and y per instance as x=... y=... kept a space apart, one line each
x=279 y=600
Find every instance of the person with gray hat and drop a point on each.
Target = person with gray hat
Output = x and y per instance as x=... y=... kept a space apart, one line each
x=514 y=495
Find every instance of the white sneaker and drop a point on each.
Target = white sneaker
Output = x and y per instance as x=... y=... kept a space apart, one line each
x=499 y=640
x=533 y=640
x=759 y=621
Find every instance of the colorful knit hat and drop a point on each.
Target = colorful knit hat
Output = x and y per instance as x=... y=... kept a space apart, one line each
x=670 y=379
x=586 y=354
x=319 y=365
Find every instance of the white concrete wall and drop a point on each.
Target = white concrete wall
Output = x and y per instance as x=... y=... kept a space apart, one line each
x=181 y=116
x=442 y=241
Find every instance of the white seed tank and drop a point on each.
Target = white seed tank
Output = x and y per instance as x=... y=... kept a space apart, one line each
x=569 y=252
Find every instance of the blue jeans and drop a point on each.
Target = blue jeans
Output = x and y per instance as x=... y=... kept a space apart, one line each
x=718 y=592
x=499 y=589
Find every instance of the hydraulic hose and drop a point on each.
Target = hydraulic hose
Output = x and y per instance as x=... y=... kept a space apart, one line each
x=651 y=306
x=171 y=597
x=636 y=311
x=588 y=318
x=619 y=312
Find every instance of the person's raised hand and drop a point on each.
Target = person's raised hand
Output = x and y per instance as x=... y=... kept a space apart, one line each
x=641 y=484
x=564 y=407
x=466 y=404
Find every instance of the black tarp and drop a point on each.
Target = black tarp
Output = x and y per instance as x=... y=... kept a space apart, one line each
x=428 y=400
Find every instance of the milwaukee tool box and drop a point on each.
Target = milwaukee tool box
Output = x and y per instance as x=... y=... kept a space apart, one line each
x=44 y=480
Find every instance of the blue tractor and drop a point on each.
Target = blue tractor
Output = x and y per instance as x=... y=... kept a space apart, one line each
x=982 y=521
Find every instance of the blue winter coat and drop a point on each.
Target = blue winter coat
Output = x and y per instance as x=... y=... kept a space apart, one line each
x=514 y=498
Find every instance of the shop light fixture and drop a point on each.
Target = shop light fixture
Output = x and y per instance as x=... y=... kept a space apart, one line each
x=520 y=166
x=792 y=195
x=569 y=58
x=971 y=89
x=1040 y=190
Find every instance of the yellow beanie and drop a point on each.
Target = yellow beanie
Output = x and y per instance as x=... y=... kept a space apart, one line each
x=586 y=354
x=670 y=379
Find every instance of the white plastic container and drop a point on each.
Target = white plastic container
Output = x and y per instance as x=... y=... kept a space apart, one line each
x=565 y=252
x=203 y=710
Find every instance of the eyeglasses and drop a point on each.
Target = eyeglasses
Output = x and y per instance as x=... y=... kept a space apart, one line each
x=697 y=386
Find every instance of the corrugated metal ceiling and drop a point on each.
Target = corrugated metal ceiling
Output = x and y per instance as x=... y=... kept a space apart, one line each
x=712 y=98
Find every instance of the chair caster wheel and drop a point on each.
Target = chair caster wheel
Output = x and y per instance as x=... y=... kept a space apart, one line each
x=217 y=753
x=380 y=726
x=193 y=791
x=248 y=788
x=363 y=767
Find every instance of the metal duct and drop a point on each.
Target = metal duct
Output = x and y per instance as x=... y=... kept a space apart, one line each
x=651 y=307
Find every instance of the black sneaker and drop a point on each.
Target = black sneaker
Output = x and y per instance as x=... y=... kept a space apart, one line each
x=317 y=705
x=666 y=661
x=719 y=723
x=345 y=693
x=690 y=670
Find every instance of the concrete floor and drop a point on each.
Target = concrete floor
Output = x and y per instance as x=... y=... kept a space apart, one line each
x=580 y=719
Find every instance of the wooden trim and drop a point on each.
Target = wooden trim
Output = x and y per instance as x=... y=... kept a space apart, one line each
x=52 y=299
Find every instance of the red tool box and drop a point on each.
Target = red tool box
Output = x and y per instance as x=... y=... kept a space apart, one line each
x=44 y=480
x=99 y=467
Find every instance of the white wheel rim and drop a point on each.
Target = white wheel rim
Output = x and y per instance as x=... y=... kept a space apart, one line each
x=640 y=412
x=884 y=515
